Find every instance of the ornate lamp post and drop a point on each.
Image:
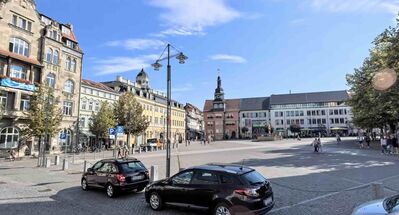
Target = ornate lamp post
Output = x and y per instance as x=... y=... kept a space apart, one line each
x=182 y=58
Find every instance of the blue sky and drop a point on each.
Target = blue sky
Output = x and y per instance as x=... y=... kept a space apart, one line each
x=261 y=47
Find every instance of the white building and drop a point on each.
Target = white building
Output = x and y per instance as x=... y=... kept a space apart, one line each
x=254 y=116
x=323 y=113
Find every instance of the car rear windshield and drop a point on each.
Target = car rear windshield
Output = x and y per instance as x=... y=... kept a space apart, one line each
x=253 y=178
x=132 y=166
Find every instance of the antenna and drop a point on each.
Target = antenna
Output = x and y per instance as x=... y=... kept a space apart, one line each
x=242 y=164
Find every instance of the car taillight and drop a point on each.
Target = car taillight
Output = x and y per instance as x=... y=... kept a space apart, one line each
x=247 y=192
x=120 y=178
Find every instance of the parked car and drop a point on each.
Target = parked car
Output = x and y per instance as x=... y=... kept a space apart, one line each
x=152 y=143
x=388 y=206
x=221 y=189
x=115 y=175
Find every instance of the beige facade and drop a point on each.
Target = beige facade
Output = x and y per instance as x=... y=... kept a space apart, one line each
x=34 y=50
x=92 y=95
x=154 y=106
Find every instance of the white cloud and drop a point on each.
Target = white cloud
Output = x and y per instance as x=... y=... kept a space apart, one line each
x=137 y=44
x=191 y=17
x=228 y=58
x=390 y=6
x=115 y=65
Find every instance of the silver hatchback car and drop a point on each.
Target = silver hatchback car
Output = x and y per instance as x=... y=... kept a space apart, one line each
x=388 y=206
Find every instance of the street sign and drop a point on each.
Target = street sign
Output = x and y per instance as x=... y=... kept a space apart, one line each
x=112 y=133
x=120 y=131
x=63 y=138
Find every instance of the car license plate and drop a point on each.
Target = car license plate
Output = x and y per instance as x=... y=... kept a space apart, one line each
x=138 y=177
x=268 y=201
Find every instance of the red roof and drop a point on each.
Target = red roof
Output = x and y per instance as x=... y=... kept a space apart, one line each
x=20 y=57
x=97 y=85
x=231 y=105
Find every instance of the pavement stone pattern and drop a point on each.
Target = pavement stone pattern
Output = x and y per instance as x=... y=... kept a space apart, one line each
x=303 y=182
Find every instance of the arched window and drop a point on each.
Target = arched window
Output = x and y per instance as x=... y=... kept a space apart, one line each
x=9 y=138
x=73 y=65
x=68 y=63
x=65 y=136
x=51 y=80
x=49 y=57
x=55 y=57
x=68 y=86
x=19 y=46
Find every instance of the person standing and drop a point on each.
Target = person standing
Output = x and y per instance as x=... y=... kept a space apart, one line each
x=315 y=145
x=368 y=140
x=383 y=142
x=338 y=138
x=320 y=147
x=361 y=140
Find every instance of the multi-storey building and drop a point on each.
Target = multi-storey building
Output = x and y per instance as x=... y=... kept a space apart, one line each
x=221 y=116
x=316 y=113
x=194 y=122
x=91 y=98
x=254 y=117
x=154 y=105
x=34 y=50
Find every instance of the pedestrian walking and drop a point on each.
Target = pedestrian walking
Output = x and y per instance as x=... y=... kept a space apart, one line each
x=383 y=142
x=319 y=145
x=338 y=138
x=12 y=155
x=394 y=144
x=120 y=152
x=368 y=140
x=361 y=140
x=125 y=151
x=315 y=145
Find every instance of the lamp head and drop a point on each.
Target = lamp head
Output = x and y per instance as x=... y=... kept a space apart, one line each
x=156 y=65
x=181 y=57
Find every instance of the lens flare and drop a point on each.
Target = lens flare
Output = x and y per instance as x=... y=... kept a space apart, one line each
x=384 y=79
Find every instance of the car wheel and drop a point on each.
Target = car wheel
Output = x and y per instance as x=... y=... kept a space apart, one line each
x=110 y=190
x=222 y=209
x=155 y=201
x=84 y=185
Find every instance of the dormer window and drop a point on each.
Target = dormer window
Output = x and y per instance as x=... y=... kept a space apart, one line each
x=70 y=44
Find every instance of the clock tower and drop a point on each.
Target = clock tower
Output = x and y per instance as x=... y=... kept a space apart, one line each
x=218 y=102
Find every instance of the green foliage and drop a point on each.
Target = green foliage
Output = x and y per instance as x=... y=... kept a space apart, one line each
x=129 y=113
x=295 y=128
x=373 y=108
x=44 y=116
x=102 y=121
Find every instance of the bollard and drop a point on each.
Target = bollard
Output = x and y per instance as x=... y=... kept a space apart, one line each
x=177 y=145
x=73 y=158
x=152 y=148
x=378 y=190
x=186 y=143
x=154 y=173
x=48 y=162
x=94 y=154
x=139 y=149
x=65 y=164
x=134 y=150
x=113 y=153
x=84 y=166
x=145 y=149
x=57 y=160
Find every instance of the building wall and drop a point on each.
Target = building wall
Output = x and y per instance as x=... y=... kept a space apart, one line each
x=35 y=64
x=253 y=119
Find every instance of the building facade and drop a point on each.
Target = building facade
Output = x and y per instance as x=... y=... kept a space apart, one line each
x=194 y=122
x=34 y=50
x=317 y=113
x=92 y=96
x=154 y=105
x=221 y=116
x=254 y=117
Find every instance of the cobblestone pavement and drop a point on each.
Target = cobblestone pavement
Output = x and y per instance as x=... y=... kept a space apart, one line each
x=332 y=182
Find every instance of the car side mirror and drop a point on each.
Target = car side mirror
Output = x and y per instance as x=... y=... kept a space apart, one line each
x=90 y=170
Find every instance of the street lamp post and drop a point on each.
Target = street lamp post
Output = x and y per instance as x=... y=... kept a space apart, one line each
x=181 y=57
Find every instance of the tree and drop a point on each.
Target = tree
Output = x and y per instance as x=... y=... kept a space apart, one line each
x=102 y=121
x=129 y=113
x=44 y=116
x=373 y=107
x=295 y=128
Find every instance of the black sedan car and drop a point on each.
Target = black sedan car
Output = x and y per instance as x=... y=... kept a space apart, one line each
x=221 y=189
x=116 y=175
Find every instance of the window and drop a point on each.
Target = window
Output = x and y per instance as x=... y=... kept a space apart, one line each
x=49 y=57
x=97 y=166
x=70 y=44
x=9 y=137
x=19 y=46
x=224 y=179
x=73 y=65
x=51 y=80
x=18 y=72
x=68 y=86
x=21 y=23
x=82 y=122
x=183 y=178
x=84 y=105
x=3 y=99
x=25 y=103
x=55 y=57
x=97 y=106
x=67 y=108
x=205 y=177
x=90 y=105
x=68 y=63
